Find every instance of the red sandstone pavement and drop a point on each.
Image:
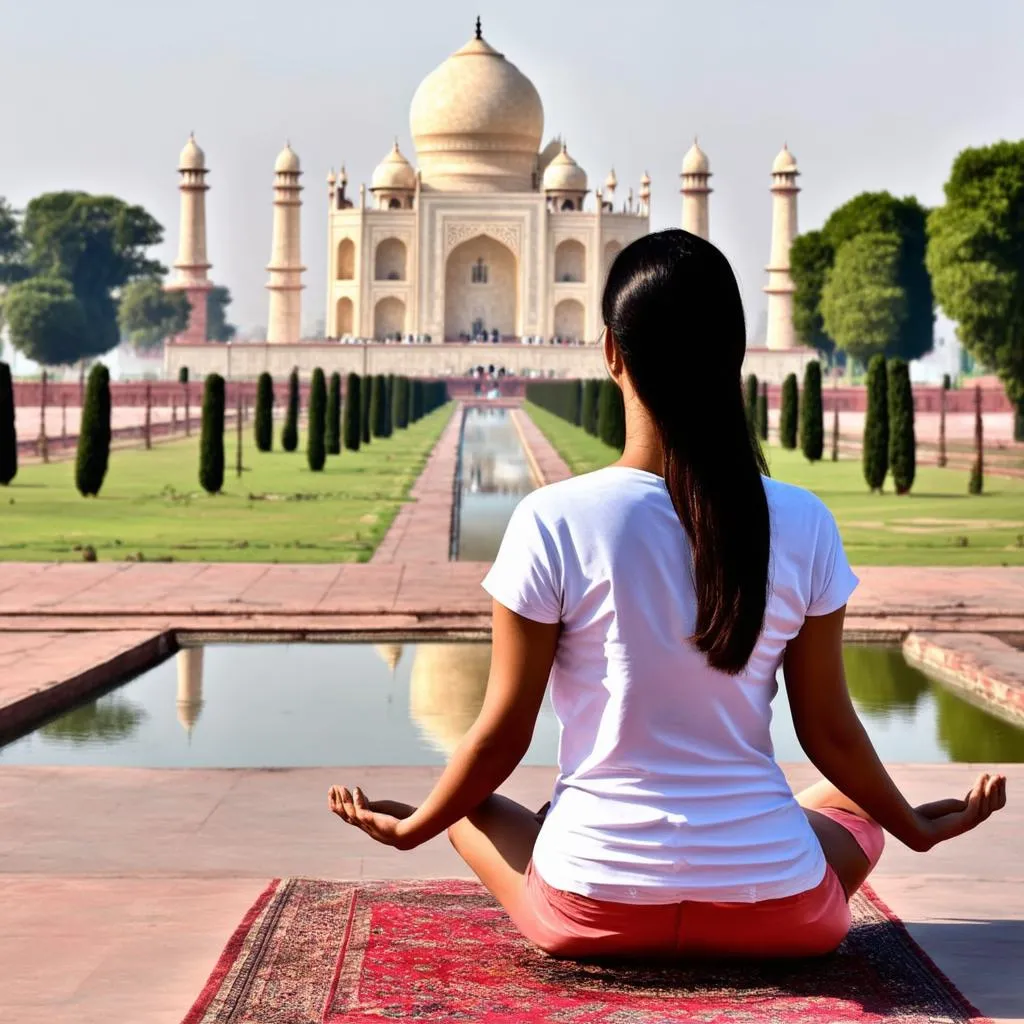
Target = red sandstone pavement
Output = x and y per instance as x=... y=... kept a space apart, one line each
x=118 y=887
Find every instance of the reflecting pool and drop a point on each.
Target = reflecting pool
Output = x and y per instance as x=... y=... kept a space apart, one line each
x=285 y=705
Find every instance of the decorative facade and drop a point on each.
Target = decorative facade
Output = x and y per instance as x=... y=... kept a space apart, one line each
x=492 y=237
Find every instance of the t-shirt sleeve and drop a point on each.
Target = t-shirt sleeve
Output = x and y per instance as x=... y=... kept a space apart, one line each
x=526 y=576
x=832 y=579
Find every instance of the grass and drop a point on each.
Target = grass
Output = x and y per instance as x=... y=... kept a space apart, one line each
x=938 y=523
x=279 y=511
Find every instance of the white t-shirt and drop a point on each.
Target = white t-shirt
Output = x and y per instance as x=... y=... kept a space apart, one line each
x=668 y=787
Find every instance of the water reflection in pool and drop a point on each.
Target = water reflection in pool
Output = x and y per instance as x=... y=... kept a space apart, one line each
x=394 y=704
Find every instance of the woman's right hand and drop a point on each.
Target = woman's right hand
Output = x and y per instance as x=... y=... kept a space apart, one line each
x=944 y=819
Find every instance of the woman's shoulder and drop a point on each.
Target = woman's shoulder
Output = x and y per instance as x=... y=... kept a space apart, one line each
x=796 y=508
x=577 y=495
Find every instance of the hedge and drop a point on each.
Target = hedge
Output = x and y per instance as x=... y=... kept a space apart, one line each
x=263 y=426
x=211 y=442
x=334 y=415
x=812 y=426
x=316 y=449
x=875 y=455
x=93 y=454
x=902 y=444
x=353 y=413
x=8 y=431
x=290 y=431
x=788 y=413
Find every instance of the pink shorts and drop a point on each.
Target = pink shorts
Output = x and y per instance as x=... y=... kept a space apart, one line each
x=810 y=923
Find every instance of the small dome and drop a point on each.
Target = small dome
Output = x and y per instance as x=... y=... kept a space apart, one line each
x=330 y=177
x=785 y=162
x=563 y=174
x=287 y=162
x=645 y=180
x=611 y=182
x=343 y=176
x=696 y=161
x=393 y=172
x=192 y=157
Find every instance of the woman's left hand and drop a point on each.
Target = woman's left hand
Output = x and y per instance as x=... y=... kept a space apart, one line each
x=381 y=820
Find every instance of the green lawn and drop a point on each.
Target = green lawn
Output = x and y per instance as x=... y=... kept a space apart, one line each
x=939 y=523
x=279 y=511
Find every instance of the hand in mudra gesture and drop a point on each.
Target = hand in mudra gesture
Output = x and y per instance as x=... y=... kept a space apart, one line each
x=944 y=819
x=381 y=820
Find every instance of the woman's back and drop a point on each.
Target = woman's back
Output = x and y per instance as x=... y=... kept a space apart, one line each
x=668 y=787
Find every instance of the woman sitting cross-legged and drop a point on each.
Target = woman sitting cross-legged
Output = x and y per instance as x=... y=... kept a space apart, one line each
x=658 y=598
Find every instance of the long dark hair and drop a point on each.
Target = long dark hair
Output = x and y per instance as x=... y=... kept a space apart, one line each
x=673 y=305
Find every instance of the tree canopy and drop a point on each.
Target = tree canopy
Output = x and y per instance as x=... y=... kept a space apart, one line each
x=12 y=246
x=46 y=321
x=815 y=253
x=148 y=313
x=863 y=306
x=98 y=245
x=976 y=258
x=218 y=298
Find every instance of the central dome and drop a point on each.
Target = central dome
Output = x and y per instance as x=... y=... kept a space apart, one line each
x=477 y=122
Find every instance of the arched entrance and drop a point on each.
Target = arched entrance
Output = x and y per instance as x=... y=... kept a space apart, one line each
x=346 y=260
x=481 y=289
x=570 y=261
x=388 y=318
x=389 y=263
x=569 y=319
x=343 y=325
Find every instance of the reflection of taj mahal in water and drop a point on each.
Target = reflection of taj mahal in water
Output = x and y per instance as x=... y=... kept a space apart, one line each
x=493 y=235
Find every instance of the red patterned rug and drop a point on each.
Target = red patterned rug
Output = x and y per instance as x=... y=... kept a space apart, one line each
x=319 y=952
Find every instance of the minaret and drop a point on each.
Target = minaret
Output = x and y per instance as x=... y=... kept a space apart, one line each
x=645 y=195
x=695 y=173
x=284 y=321
x=191 y=264
x=190 y=686
x=780 y=285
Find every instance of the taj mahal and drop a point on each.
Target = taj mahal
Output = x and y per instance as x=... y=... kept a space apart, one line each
x=491 y=235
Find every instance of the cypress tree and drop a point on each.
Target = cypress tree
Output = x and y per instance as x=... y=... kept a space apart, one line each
x=942 y=419
x=93 y=453
x=835 y=429
x=976 y=483
x=379 y=406
x=316 y=449
x=400 y=405
x=263 y=425
x=751 y=392
x=353 y=413
x=418 y=400
x=788 y=415
x=8 y=432
x=876 y=426
x=365 y=394
x=410 y=388
x=211 y=442
x=334 y=415
x=588 y=413
x=290 y=431
x=762 y=412
x=902 y=445
x=611 y=419
x=812 y=426
x=389 y=404
x=183 y=375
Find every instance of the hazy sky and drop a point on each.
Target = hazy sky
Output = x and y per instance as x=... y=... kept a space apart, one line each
x=101 y=96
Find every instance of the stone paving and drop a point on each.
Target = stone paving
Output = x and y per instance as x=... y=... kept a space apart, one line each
x=118 y=887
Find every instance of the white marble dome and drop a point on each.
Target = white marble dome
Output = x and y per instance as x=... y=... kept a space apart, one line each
x=696 y=161
x=287 y=161
x=393 y=173
x=563 y=174
x=477 y=122
x=785 y=162
x=192 y=157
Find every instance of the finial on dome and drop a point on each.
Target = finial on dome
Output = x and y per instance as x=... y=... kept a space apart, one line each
x=479 y=28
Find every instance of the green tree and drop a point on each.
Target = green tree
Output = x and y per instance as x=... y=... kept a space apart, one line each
x=218 y=298
x=611 y=418
x=211 y=442
x=149 y=314
x=902 y=444
x=810 y=259
x=400 y=406
x=875 y=454
x=8 y=431
x=183 y=375
x=108 y=719
x=750 y=399
x=353 y=413
x=812 y=422
x=762 y=413
x=863 y=303
x=976 y=258
x=365 y=395
x=588 y=414
x=789 y=412
x=93 y=454
x=334 y=415
x=98 y=245
x=316 y=450
x=290 y=430
x=263 y=424
x=379 y=406
x=45 y=320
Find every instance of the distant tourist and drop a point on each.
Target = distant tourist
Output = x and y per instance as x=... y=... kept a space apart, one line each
x=658 y=598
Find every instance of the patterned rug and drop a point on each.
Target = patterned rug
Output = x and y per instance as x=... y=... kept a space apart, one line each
x=320 y=952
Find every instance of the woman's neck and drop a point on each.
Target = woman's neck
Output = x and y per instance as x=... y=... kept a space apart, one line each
x=643 y=446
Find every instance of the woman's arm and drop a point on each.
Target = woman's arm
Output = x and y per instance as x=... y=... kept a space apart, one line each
x=833 y=738
x=522 y=653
